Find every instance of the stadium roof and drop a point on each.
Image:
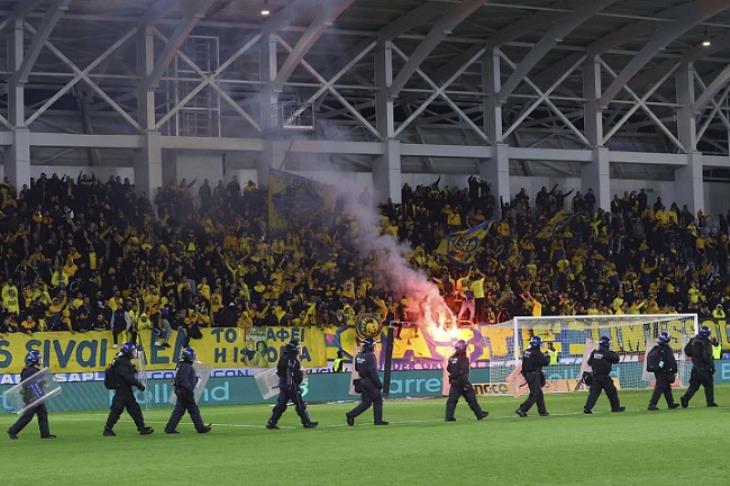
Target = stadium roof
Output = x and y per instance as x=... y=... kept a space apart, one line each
x=325 y=53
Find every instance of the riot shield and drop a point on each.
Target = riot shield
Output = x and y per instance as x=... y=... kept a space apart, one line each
x=32 y=391
x=268 y=382
x=203 y=373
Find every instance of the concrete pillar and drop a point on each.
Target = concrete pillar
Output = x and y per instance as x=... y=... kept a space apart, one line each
x=596 y=175
x=17 y=159
x=496 y=172
x=387 y=179
x=492 y=83
x=148 y=166
x=272 y=157
x=689 y=186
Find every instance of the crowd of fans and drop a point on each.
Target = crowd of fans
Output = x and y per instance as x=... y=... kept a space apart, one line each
x=84 y=254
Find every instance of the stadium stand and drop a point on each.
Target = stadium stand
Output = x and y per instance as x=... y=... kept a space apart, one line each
x=78 y=251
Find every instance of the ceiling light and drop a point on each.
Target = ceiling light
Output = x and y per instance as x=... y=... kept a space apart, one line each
x=265 y=12
x=706 y=42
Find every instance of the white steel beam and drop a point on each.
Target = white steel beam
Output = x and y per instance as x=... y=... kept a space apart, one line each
x=438 y=32
x=718 y=109
x=552 y=37
x=276 y=22
x=41 y=139
x=714 y=87
x=384 y=118
x=80 y=75
x=194 y=15
x=685 y=95
x=439 y=91
x=323 y=19
x=44 y=31
x=549 y=103
x=491 y=84
x=646 y=109
x=21 y=9
x=365 y=123
x=410 y=20
x=716 y=161
x=640 y=103
x=526 y=112
x=16 y=91
x=531 y=23
x=630 y=31
x=592 y=115
x=690 y=15
x=223 y=94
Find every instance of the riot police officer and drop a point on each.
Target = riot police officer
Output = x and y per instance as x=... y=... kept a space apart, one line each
x=185 y=382
x=601 y=362
x=458 y=369
x=532 y=362
x=289 y=370
x=368 y=385
x=703 y=367
x=123 y=378
x=662 y=363
x=33 y=364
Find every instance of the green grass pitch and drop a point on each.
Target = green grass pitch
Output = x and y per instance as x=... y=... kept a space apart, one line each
x=637 y=447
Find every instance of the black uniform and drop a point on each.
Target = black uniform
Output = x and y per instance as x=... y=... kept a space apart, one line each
x=369 y=386
x=665 y=373
x=601 y=361
x=458 y=369
x=290 y=373
x=532 y=362
x=39 y=410
x=703 y=367
x=124 y=379
x=185 y=382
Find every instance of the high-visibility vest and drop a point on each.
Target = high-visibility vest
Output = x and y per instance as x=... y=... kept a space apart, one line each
x=553 y=356
x=338 y=365
x=717 y=351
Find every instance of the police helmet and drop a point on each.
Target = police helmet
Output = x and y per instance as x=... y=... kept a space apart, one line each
x=33 y=358
x=128 y=349
x=368 y=344
x=291 y=347
x=535 y=341
x=705 y=332
x=663 y=338
x=604 y=341
x=460 y=345
x=188 y=354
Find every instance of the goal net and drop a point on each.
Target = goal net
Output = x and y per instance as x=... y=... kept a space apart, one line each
x=570 y=339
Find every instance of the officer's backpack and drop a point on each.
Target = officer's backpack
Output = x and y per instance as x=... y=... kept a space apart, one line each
x=652 y=359
x=688 y=347
x=110 y=376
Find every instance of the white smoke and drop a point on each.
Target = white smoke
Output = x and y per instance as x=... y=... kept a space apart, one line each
x=388 y=257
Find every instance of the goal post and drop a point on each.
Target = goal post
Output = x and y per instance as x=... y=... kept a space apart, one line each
x=571 y=338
